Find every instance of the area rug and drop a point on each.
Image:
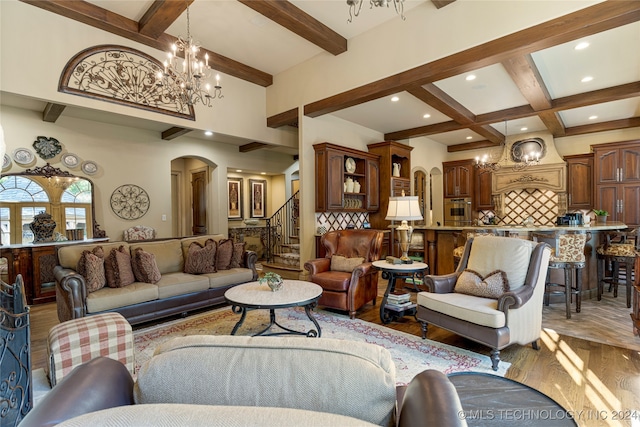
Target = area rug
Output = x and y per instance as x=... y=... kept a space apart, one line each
x=410 y=353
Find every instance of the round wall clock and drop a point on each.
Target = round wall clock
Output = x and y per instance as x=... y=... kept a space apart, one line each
x=350 y=165
x=130 y=201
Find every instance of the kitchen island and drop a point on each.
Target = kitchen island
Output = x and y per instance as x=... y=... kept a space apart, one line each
x=439 y=243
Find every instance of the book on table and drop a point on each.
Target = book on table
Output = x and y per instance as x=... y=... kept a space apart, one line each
x=398 y=297
x=401 y=307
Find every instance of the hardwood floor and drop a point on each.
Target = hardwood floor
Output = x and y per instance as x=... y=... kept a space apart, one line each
x=599 y=379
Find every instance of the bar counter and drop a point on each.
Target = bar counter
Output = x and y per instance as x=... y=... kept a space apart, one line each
x=439 y=242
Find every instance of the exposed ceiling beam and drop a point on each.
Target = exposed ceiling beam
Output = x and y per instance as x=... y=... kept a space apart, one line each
x=626 y=91
x=471 y=146
x=174 y=132
x=252 y=146
x=441 y=101
x=604 y=126
x=160 y=15
x=52 y=111
x=591 y=20
x=287 y=118
x=300 y=23
x=439 y=4
x=103 y=19
x=526 y=76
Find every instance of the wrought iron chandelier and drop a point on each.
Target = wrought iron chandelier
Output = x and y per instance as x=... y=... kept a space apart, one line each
x=488 y=163
x=356 y=5
x=186 y=83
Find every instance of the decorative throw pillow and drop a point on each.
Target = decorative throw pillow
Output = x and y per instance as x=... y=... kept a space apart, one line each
x=237 y=258
x=201 y=260
x=91 y=267
x=81 y=266
x=341 y=263
x=145 y=268
x=117 y=268
x=224 y=254
x=493 y=285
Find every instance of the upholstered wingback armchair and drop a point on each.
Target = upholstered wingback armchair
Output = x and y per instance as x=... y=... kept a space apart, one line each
x=495 y=295
x=346 y=274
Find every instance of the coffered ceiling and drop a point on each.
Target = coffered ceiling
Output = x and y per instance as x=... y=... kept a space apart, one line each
x=532 y=79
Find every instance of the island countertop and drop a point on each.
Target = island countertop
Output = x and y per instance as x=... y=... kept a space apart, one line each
x=591 y=227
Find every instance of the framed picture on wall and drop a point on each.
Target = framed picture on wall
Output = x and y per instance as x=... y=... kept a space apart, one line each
x=258 y=188
x=234 y=191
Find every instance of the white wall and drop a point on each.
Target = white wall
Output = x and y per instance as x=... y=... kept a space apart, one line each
x=128 y=155
x=35 y=46
x=315 y=131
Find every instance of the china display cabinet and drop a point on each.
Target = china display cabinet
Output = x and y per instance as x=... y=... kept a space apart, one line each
x=347 y=179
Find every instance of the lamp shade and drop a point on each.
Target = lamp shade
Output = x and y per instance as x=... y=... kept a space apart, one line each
x=405 y=208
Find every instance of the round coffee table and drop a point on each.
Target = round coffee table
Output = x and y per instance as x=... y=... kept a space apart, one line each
x=294 y=293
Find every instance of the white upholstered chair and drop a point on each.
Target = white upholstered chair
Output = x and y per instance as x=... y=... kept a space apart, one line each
x=505 y=317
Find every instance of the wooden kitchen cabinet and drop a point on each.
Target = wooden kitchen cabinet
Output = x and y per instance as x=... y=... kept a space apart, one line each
x=482 y=198
x=332 y=173
x=580 y=188
x=617 y=180
x=458 y=178
x=390 y=152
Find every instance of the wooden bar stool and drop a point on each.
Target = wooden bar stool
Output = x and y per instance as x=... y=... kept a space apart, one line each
x=619 y=249
x=567 y=254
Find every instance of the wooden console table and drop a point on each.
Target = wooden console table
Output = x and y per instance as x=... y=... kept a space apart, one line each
x=35 y=262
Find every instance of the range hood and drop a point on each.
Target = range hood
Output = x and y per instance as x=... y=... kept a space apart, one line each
x=549 y=174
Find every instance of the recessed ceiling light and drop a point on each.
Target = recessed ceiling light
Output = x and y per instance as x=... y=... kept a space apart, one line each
x=586 y=79
x=426 y=116
x=238 y=170
x=470 y=77
x=582 y=45
x=263 y=173
x=469 y=137
x=524 y=128
x=208 y=133
x=395 y=99
x=593 y=117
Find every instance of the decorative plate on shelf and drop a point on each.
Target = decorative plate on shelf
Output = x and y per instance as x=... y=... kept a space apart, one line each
x=47 y=148
x=6 y=162
x=350 y=165
x=130 y=201
x=70 y=160
x=23 y=156
x=89 y=167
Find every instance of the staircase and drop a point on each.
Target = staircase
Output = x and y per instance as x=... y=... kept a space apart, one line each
x=283 y=240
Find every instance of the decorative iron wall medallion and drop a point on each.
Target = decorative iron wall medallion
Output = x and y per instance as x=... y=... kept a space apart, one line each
x=130 y=201
x=47 y=148
x=121 y=75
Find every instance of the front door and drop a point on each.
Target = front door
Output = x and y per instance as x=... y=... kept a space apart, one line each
x=199 y=197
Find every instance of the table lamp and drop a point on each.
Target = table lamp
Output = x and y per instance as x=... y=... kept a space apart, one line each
x=404 y=208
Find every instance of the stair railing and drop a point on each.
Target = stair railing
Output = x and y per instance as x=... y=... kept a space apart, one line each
x=283 y=226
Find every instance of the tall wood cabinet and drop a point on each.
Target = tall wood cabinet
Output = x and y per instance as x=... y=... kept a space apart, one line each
x=391 y=152
x=580 y=188
x=458 y=178
x=332 y=172
x=482 y=197
x=617 y=179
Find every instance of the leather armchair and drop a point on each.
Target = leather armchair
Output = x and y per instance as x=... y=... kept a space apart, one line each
x=513 y=317
x=347 y=290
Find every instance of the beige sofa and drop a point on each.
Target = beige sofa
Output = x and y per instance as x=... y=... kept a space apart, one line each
x=176 y=292
x=251 y=381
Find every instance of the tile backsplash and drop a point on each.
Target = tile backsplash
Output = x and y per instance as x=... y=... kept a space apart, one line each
x=543 y=206
x=330 y=221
